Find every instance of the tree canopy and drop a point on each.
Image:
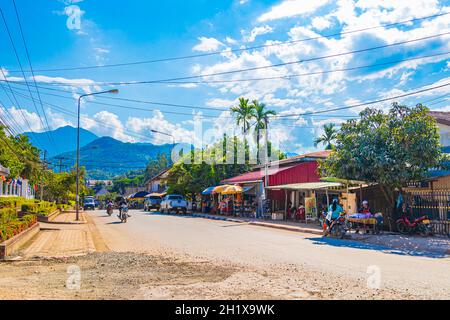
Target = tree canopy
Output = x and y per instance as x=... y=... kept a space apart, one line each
x=391 y=148
x=20 y=156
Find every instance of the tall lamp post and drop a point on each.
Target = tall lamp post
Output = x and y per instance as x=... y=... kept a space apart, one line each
x=164 y=133
x=115 y=91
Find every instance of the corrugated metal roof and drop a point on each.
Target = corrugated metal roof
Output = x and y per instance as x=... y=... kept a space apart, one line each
x=256 y=175
x=441 y=117
x=306 y=186
x=313 y=156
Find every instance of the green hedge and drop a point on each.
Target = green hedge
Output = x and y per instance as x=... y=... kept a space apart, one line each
x=13 y=202
x=7 y=214
x=16 y=226
x=42 y=208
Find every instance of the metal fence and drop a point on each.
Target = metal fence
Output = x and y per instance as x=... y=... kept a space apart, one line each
x=434 y=204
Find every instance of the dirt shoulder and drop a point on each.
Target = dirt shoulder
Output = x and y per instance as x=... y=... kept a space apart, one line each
x=114 y=275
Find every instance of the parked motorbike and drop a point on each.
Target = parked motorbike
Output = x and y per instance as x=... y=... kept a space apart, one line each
x=123 y=213
x=419 y=225
x=337 y=227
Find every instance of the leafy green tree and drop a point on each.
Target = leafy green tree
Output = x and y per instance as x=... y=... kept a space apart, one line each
x=192 y=178
x=20 y=156
x=390 y=149
x=260 y=114
x=328 y=136
x=244 y=112
x=156 y=166
x=61 y=187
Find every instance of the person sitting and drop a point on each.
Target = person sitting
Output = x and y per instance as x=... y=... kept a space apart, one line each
x=300 y=213
x=365 y=209
x=334 y=211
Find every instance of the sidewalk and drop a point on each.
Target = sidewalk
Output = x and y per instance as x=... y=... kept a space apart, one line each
x=69 y=217
x=408 y=244
x=62 y=237
x=284 y=225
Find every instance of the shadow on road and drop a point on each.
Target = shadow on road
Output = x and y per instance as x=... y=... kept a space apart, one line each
x=115 y=222
x=368 y=246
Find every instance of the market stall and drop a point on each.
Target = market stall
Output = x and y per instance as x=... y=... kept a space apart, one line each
x=309 y=190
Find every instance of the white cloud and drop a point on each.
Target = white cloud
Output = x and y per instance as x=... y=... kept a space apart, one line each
x=255 y=32
x=231 y=41
x=220 y=103
x=158 y=122
x=321 y=23
x=112 y=126
x=290 y=8
x=207 y=45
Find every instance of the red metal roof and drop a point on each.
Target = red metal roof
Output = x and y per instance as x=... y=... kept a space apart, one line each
x=301 y=158
x=441 y=117
x=256 y=175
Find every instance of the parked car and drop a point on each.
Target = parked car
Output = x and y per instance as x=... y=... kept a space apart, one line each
x=173 y=203
x=152 y=202
x=89 y=204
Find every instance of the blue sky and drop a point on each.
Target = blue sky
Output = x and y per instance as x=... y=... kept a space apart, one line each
x=118 y=32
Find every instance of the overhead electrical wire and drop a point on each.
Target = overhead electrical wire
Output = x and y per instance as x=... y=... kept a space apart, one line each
x=227 y=51
x=367 y=103
x=32 y=73
x=123 y=83
x=23 y=73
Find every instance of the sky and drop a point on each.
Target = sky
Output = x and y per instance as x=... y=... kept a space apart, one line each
x=75 y=46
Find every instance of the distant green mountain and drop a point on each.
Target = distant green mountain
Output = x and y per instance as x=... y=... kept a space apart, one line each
x=63 y=139
x=106 y=157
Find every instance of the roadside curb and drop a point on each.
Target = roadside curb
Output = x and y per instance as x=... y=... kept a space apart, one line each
x=67 y=222
x=283 y=227
x=262 y=224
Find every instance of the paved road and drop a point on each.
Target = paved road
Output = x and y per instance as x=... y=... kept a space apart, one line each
x=267 y=248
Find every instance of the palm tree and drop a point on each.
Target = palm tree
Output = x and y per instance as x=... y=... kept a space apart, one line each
x=328 y=136
x=261 y=113
x=244 y=113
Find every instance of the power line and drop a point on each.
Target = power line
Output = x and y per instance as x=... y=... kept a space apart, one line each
x=32 y=72
x=148 y=110
x=255 y=79
x=21 y=68
x=122 y=83
x=74 y=115
x=240 y=49
x=291 y=76
x=366 y=103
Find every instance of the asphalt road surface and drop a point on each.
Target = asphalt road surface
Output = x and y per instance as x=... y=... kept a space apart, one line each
x=274 y=249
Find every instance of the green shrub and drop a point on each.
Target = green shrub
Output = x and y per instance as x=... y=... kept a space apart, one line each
x=42 y=208
x=11 y=202
x=7 y=214
x=16 y=226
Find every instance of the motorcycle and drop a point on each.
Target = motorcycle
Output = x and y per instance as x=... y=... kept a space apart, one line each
x=123 y=213
x=109 y=209
x=419 y=225
x=337 y=227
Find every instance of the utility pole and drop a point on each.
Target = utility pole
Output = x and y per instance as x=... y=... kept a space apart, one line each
x=60 y=165
x=44 y=166
x=266 y=153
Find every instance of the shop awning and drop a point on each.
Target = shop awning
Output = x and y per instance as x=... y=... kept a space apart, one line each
x=208 y=191
x=249 y=188
x=306 y=186
x=155 y=195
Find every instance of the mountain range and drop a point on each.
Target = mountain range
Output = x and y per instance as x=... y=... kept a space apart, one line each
x=63 y=139
x=103 y=157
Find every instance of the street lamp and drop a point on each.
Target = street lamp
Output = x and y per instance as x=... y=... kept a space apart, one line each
x=164 y=133
x=114 y=91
